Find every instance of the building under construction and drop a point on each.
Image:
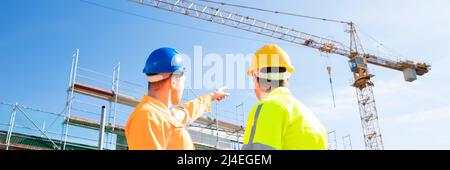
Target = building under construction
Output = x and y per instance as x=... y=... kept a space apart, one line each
x=95 y=113
x=94 y=117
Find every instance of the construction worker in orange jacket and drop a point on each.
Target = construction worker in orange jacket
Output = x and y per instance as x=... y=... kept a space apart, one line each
x=155 y=124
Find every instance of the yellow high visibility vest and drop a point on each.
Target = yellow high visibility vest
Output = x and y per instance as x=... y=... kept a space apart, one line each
x=281 y=122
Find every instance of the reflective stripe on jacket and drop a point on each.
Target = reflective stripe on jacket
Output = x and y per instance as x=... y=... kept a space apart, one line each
x=281 y=122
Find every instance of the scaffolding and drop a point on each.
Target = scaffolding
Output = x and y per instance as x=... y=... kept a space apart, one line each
x=347 y=142
x=217 y=130
x=332 y=140
x=78 y=125
x=333 y=143
x=26 y=129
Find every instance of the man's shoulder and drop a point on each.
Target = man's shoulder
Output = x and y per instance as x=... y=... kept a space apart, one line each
x=279 y=100
x=147 y=112
x=284 y=102
x=274 y=103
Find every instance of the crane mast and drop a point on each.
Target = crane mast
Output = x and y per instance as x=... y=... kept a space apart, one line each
x=358 y=59
x=364 y=93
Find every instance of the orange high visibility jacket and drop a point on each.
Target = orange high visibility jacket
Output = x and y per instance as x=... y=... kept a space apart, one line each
x=153 y=126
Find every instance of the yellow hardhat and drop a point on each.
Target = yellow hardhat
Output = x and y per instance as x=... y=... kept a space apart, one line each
x=270 y=55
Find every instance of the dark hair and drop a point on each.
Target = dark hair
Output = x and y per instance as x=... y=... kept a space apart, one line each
x=269 y=85
x=273 y=70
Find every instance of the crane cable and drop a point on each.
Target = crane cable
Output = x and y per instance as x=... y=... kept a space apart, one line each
x=330 y=77
x=118 y=10
x=277 y=12
x=379 y=44
x=331 y=85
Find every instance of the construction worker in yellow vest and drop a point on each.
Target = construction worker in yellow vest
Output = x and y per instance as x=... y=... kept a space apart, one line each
x=154 y=123
x=279 y=121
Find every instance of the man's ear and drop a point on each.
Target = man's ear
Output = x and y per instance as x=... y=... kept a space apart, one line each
x=173 y=82
x=255 y=82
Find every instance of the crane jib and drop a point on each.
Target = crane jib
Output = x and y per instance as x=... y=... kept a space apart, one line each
x=275 y=31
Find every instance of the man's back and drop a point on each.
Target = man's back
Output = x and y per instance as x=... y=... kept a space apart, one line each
x=283 y=122
x=152 y=126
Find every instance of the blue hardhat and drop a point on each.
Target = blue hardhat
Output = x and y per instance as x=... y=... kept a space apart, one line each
x=164 y=60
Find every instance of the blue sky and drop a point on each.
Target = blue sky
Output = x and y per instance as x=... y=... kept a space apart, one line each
x=38 y=37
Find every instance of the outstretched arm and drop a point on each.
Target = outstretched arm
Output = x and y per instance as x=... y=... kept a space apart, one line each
x=195 y=108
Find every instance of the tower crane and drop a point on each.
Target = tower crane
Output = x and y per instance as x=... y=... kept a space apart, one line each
x=358 y=58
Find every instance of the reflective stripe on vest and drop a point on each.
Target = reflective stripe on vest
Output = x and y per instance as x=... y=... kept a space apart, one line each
x=256 y=146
